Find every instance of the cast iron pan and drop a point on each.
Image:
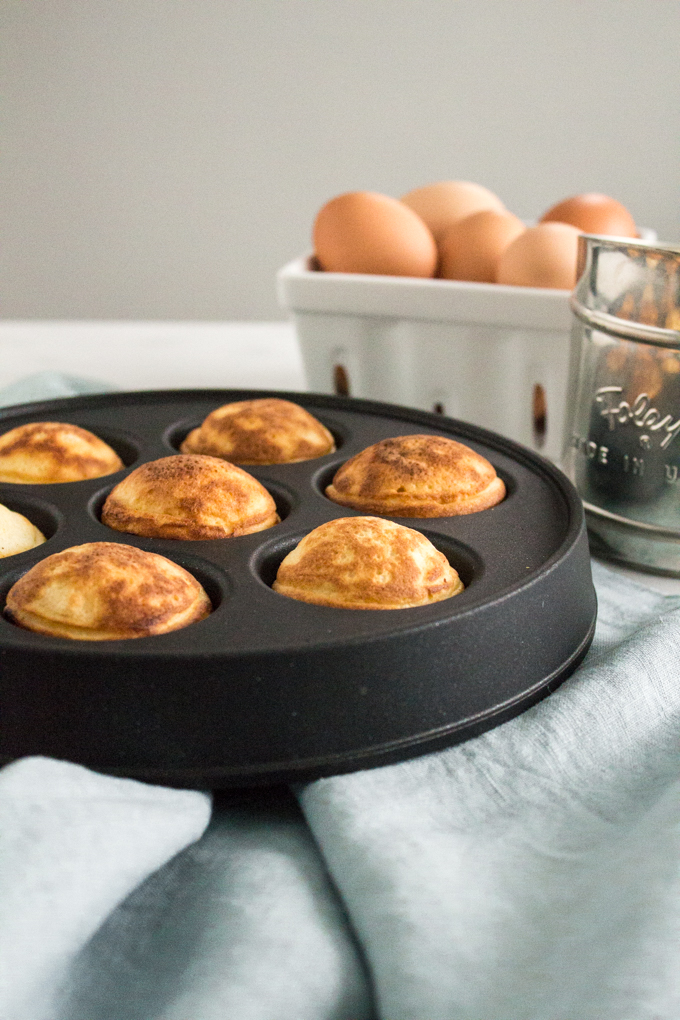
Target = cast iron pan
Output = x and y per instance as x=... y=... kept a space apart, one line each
x=268 y=689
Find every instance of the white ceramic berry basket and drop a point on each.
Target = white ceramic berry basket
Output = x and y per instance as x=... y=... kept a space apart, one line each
x=492 y=355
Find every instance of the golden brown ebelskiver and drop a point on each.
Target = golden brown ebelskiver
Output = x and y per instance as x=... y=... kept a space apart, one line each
x=263 y=431
x=366 y=563
x=417 y=476
x=47 y=452
x=17 y=533
x=106 y=591
x=189 y=496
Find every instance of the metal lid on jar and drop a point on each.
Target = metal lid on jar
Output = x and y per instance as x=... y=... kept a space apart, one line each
x=629 y=288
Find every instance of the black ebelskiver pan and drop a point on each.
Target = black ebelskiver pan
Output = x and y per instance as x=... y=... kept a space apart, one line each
x=269 y=689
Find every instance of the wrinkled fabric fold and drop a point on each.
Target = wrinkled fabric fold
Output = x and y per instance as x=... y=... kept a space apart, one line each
x=532 y=873
x=73 y=845
x=243 y=923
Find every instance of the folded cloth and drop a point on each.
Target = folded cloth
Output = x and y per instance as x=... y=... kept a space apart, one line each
x=243 y=924
x=48 y=385
x=532 y=873
x=73 y=845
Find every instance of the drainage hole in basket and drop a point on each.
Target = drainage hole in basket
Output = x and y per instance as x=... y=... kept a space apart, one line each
x=341 y=385
x=539 y=415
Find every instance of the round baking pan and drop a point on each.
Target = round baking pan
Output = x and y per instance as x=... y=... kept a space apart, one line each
x=268 y=689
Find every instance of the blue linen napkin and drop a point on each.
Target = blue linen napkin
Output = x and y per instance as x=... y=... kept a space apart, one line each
x=48 y=386
x=73 y=845
x=532 y=873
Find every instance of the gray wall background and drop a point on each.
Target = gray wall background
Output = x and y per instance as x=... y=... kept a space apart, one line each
x=162 y=158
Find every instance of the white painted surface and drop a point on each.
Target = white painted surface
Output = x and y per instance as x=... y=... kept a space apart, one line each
x=156 y=355
x=163 y=159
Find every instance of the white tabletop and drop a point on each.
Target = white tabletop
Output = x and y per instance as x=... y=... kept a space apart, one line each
x=177 y=355
x=156 y=355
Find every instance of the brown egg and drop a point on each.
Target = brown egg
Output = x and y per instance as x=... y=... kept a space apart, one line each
x=363 y=232
x=542 y=256
x=593 y=214
x=442 y=204
x=471 y=248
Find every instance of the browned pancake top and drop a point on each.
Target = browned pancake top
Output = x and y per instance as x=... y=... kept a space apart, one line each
x=366 y=563
x=417 y=475
x=264 y=431
x=189 y=496
x=108 y=588
x=49 y=452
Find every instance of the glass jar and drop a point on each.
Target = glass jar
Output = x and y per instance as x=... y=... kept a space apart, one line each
x=623 y=433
